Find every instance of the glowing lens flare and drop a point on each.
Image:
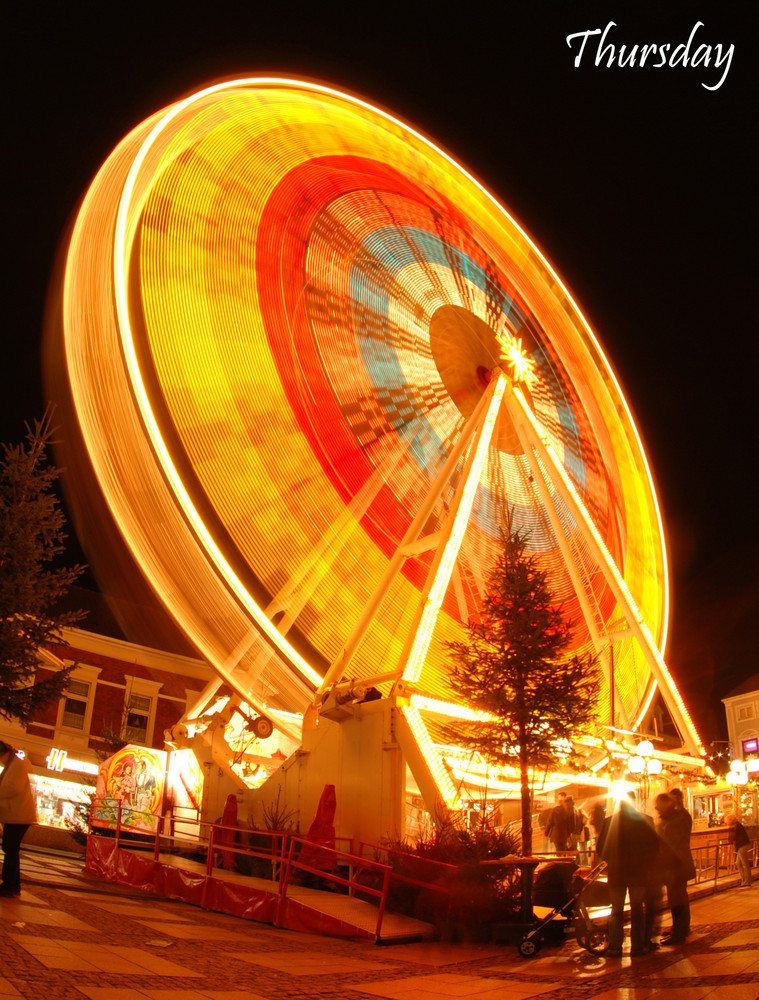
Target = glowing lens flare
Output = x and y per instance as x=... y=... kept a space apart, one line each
x=522 y=367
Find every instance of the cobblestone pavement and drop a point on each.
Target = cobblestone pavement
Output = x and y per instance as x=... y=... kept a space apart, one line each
x=69 y=936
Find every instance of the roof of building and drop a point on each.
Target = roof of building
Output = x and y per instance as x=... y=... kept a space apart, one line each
x=104 y=614
x=745 y=687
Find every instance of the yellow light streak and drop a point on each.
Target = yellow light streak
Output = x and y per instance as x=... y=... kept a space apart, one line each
x=428 y=750
x=612 y=566
x=442 y=577
x=493 y=784
x=121 y=258
x=646 y=704
x=626 y=748
x=450 y=709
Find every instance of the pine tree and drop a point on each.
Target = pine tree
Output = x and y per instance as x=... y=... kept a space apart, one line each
x=31 y=536
x=516 y=667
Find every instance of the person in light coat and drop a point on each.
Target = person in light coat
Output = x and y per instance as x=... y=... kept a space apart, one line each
x=17 y=813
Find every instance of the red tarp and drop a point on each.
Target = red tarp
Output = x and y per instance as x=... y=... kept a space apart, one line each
x=107 y=861
x=321 y=834
x=226 y=835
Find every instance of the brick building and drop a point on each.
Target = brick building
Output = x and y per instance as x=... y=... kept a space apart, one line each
x=117 y=691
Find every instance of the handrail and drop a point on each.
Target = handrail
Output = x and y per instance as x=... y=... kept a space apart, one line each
x=442 y=866
x=709 y=859
x=387 y=849
x=281 y=853
x=352 y=860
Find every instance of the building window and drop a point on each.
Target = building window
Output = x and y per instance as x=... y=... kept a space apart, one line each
x=747 y=712
x=140 y=704
x=74 y=721
x=75 y=705
x=138 y=718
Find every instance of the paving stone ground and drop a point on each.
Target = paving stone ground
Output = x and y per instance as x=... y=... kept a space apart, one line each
x=70 y=936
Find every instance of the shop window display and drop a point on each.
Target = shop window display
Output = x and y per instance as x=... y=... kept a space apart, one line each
x=60 y=803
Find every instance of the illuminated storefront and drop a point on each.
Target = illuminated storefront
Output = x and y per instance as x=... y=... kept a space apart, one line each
x=118 y=691
x=60 y=803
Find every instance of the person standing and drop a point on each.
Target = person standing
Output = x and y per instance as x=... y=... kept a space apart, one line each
x=739 y=838
x=573 y=823
x=678 y=865
x=685 y=822
x=557 y=829
x=655 y=890
x=583 y=837
x=597 y=818
x=628 y=845
x=17 y=813
x=686 y=818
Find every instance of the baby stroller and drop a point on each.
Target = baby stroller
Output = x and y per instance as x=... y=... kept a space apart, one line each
x=590 y=921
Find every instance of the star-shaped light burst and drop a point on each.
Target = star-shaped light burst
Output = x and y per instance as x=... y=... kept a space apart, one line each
x=522 y=367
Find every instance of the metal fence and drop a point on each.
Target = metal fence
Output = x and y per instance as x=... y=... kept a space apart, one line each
x=280 y=853
x=362 y=869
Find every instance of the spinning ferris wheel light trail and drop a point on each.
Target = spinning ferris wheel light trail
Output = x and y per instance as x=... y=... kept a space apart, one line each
x=280 y=309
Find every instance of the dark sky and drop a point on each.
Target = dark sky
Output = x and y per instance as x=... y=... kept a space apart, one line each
x=633 y=181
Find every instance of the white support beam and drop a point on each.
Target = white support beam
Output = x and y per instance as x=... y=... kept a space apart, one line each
x=589 y=614
x=343 y=658
x=540 y=444
x=439 y=575
x=416 y=548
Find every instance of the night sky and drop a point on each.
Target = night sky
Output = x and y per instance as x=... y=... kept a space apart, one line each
x=633 y=181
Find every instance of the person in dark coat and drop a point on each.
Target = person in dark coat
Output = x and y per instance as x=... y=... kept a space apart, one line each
x=673 y=827
x=597 y=818
x=739 y=838
x=652 y=899
x=573 y=822
x=558 y=826
x=628 y=845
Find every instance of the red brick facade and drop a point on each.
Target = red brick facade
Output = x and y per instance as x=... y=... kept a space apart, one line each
x=111 y=675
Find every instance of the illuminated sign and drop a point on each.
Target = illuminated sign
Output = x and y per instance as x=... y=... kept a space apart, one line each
x=751 y=746
x=58 y=760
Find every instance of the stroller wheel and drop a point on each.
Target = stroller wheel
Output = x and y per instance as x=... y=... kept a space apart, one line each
x=596 y=941
x=529 y=947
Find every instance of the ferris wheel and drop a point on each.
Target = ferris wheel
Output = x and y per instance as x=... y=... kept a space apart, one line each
x=313 y=360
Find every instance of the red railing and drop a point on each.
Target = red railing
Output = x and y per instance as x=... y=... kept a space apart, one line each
x=282 y=854
x=341 y=860
x=283 y=850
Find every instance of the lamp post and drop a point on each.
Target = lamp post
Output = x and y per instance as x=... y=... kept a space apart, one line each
x=737 y=776
x=738 y=773
x=643 y=764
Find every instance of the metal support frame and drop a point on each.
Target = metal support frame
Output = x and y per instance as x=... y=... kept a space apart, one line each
x=521 y=413
x=410 y=545
x=451 y=535
x=589 y=613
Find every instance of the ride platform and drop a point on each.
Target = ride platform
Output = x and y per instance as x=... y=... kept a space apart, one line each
x=299 y=908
